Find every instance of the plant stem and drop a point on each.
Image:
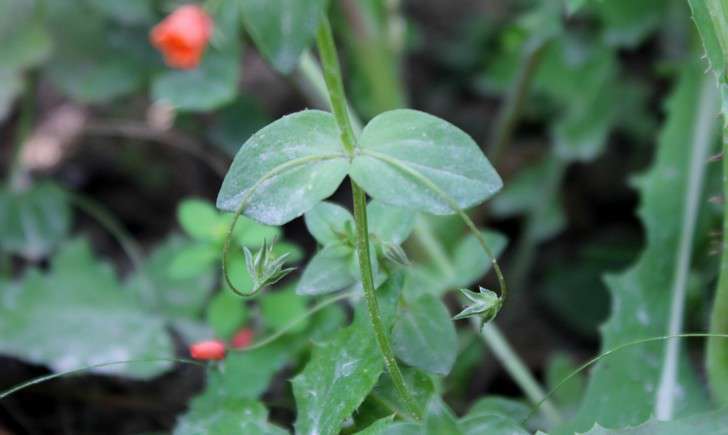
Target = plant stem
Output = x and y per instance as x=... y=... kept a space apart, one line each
x=511 y=109
x=717 y=351
x=335 y=87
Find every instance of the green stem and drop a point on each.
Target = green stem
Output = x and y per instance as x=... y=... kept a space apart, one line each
x=332 y=76
x=513 y=106
x=717 y=352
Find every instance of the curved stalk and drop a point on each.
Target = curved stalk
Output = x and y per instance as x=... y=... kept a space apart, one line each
x=337 y=98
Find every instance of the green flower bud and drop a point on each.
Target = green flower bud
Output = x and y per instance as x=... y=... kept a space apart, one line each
x=486 y=304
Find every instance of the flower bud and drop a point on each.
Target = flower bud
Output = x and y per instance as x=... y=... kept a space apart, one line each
x=209 y=350
x=183 y=36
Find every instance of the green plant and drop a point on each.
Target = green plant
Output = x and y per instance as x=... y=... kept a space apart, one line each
x=367 y=337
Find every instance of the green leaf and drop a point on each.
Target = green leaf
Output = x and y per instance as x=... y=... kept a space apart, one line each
x=714 y=422
x=33 y=221
x=25 y=43
x=336 y=380
x=78 y=315
x=711 y=41
x=11 y=86
x=192 y=260
x=173 y=296
x=628 y=23
x=623 y=387
x=495 y=405
x=329 y=223
x=379 y=427
x=439 y=419
x=300 y=161
x=397 y=144
x=226 y=313
x=424 y=335
x=212 y=84
x=210 y=415
x=248 y=375
x=200 y=220
x=388 y=223
x=278 y=309
x=282 y=29
x=127 y=12
x=328 y=271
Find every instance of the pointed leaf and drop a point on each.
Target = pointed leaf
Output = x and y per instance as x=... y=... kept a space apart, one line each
x=328 y=271
x=303 y=158
x=328 y=222
x=430 y=147
x=424 y=335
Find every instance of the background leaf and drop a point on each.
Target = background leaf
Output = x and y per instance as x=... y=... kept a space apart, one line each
x=282 y=29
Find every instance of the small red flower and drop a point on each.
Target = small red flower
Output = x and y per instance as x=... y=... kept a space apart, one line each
x=208 y=350
x=183 y=36
x=243 y=338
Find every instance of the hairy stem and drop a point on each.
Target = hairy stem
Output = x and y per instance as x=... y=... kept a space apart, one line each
x=337 y=98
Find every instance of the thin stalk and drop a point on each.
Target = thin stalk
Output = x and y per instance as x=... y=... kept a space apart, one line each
x=717 y=352
x=513 y=106
x=335 y=87
x=490 y=332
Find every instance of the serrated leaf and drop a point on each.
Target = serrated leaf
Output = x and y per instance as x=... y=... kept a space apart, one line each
x=429 y=146
x=424 y=335
x=77 y=315
x=309 y=141
x=715 y=423
x=329 y=270
x=33 y=221
x=623 y=387
x=212 y=416
x=329 y=223
x=282 y=29
x=336 y=380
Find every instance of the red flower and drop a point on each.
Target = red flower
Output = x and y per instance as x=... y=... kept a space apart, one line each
x=243 y=338
x=183 y=36
x=208 y=350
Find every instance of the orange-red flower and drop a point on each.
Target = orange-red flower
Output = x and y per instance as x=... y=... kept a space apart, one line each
x=243 y=338
x=208 y=350
x=183 y=36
